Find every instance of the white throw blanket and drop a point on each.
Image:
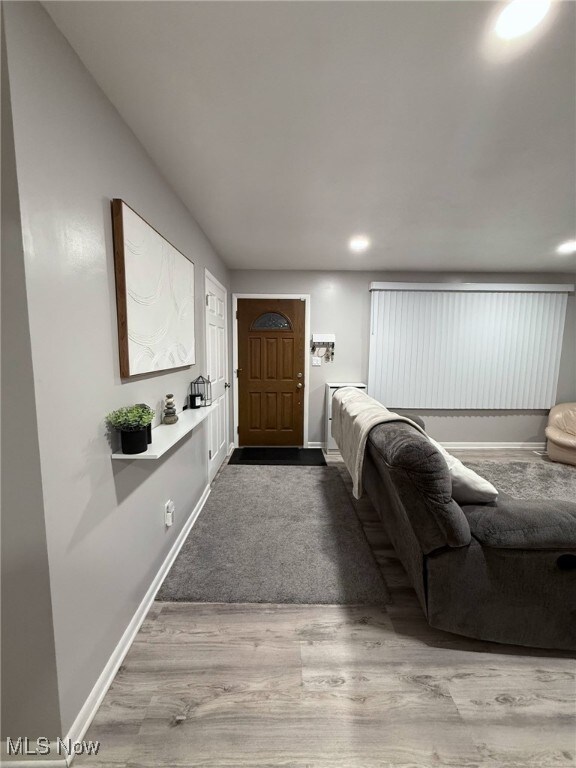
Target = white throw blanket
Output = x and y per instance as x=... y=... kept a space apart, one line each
x=354 y=414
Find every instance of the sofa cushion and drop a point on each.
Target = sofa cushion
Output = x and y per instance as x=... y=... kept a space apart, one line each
x=468 y=487
x=407 y=460
x=520 y=524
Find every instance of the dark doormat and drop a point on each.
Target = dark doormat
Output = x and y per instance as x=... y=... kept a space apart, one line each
x=297 y=457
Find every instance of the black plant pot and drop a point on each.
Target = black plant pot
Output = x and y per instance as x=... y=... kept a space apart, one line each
x=135 y=441
x=149 y=434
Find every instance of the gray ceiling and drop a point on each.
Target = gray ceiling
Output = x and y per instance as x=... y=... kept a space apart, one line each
x=287 y=127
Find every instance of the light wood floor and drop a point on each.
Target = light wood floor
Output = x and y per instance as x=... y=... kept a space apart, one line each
x=299 y=686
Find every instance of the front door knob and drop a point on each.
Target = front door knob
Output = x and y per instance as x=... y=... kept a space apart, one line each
x=299 y=385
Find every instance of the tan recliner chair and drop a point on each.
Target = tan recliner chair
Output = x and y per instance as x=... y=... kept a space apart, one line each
x=561 y=433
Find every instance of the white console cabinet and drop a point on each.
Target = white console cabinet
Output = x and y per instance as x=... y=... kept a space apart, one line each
x=331 y=387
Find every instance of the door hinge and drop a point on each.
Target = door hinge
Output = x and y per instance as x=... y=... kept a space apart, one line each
x=207 y=300
x=237 y=430
x=209 y=454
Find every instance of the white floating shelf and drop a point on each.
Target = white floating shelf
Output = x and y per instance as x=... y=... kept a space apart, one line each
x=165 y=436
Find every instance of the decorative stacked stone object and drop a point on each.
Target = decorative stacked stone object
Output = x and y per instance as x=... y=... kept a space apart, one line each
x=170 y=416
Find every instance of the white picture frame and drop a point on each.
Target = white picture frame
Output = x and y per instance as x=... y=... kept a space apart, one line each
x=154 y=297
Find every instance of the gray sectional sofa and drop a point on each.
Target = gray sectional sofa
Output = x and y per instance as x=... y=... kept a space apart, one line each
x=504 y=572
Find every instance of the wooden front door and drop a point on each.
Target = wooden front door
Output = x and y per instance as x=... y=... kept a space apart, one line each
x=271 y=371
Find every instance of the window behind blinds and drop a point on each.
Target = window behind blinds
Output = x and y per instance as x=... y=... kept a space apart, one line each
x=469 y=346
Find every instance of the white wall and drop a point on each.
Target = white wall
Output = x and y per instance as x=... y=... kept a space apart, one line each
x=104 y=520
x=340 y=304
x=29 y=682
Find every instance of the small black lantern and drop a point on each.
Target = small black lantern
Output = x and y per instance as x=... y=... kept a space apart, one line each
x=195 y=400
x=202 y=387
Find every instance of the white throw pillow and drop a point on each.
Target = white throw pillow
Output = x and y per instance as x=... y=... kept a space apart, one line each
x=467 y=486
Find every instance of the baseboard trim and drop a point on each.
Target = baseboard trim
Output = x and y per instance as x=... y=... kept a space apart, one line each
x=494 y=446
x=86 y=714
x=230 y=449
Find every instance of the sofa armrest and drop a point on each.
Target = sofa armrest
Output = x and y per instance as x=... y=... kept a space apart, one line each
x=420 y=481
x=558 y=436
x=563 y=416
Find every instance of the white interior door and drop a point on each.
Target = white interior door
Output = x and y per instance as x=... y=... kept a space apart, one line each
x=217 y=370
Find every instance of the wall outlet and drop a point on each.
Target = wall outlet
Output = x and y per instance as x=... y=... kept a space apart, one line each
x=316 y=361
x=169 y=513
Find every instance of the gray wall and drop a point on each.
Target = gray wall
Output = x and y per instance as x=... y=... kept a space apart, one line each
x=30 y=704
x=340 y=304
x=104 y=520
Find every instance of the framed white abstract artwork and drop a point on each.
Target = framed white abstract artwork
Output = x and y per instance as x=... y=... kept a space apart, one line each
x=154 y=297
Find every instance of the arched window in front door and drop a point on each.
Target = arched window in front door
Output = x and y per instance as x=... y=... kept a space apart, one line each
x=271 y=321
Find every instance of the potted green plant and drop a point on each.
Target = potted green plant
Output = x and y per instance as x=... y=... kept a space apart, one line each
x=132 y=422
x=149 y=427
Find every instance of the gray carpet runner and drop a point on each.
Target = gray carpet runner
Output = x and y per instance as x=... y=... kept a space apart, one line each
x=272 y=534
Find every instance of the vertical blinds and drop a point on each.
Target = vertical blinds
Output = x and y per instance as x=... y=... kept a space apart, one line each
x=470 y=346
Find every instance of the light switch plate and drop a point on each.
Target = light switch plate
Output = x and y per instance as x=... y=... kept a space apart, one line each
x=316 y=361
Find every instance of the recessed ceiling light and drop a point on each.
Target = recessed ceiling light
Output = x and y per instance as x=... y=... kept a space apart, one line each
x=359 y=243
x=520 y=17
x=567 y=248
